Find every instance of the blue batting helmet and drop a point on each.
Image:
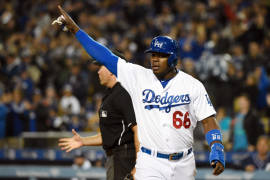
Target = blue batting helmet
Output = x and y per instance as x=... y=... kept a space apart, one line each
x=166 y=45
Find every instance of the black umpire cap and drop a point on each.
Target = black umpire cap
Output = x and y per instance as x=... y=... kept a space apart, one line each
x=95 y=62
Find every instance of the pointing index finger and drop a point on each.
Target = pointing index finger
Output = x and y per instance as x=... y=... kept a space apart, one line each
x=68 y=21
x=63 y=12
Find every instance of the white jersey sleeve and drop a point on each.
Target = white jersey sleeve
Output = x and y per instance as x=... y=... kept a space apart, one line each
x=202 y=105
x=129 y=74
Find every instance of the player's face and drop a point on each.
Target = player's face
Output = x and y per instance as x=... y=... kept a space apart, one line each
x=104 y=76
x=159 y=64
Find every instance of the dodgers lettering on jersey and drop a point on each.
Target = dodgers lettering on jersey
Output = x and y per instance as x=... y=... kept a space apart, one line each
x=208 y=100
x=163 y=102
x=166 y=117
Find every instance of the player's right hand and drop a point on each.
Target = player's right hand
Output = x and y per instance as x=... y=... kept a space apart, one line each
x=68 y=144
x=66 y=20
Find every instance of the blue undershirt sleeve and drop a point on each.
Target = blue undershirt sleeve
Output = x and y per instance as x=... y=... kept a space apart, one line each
x=97 y=51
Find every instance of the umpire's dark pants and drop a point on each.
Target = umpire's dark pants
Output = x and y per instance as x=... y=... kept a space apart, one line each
x=120 y=161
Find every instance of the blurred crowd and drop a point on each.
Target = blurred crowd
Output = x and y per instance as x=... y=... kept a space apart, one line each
x=47 y=82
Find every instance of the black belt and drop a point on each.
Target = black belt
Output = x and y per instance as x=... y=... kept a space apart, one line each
x=110 y=151
x=173 y=156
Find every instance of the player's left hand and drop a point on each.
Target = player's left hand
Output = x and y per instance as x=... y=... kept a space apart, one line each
x=216 y=158
x=218 y=168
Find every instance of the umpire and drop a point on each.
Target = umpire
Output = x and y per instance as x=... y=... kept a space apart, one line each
x=118 y=134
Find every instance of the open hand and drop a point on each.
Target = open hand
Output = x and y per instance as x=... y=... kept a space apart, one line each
x=68 y=144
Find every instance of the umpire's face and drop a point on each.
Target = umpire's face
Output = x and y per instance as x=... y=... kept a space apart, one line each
x=159 y=64
x=105 y=76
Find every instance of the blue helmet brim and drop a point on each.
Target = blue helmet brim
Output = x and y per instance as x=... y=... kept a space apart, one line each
x=148 y=50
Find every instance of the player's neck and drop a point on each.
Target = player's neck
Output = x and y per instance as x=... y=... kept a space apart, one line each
x=168 y=75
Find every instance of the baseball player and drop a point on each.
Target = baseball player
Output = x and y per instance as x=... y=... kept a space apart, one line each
x=167 y=102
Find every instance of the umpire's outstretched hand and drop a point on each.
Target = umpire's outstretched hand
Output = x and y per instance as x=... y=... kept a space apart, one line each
x=68 y=144
x=66 y=20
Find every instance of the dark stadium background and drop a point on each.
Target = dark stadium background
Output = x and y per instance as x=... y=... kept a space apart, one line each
x=223 y=43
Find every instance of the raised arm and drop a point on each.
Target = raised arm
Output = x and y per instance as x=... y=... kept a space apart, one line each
x=96 y=50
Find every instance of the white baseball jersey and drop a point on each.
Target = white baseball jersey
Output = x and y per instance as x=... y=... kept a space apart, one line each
x=166 y=117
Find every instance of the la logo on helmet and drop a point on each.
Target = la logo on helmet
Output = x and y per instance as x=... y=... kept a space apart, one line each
x=158 y=44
